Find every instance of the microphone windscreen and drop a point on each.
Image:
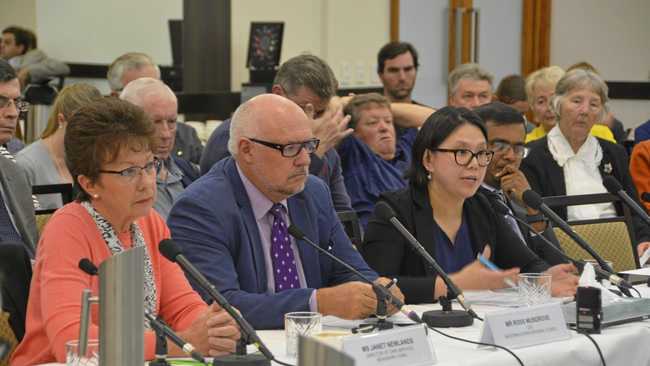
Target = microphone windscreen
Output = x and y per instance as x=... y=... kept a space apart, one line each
x=645 y=196
x=612 y=185
x=169 y=249
x=87 y=266
x=532 y=199
x=295 y=232
x=384 y=211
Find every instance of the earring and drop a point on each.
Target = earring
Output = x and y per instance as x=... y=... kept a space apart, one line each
x=95 y=196
x=429 y=176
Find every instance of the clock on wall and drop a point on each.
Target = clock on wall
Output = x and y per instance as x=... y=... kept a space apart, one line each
x=264 y=48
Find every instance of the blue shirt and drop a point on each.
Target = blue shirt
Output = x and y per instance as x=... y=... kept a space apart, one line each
x=367 y=175
x=452 y=257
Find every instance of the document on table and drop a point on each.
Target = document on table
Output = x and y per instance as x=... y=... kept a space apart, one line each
x=507 y=297
x=336 y=322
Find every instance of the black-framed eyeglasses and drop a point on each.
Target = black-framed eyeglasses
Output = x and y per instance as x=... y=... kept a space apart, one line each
x=20 y=103
x=290 y=150
x=464 y=157
x=503 y=146
x=131 y=172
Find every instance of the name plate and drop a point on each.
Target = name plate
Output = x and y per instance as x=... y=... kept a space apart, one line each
x=525 y=326
x=395 y=347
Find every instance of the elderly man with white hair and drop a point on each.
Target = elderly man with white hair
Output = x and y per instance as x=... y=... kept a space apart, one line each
x=233 y=223
x=160 y=104
x=134 y=65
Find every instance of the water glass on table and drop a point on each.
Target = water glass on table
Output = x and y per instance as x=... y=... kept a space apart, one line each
x=534 y=288
x=304 y=323
x=88 y=358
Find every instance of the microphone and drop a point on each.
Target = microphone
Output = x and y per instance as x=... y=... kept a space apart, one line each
x=533 y=200
x=160 y=324
x=299 y=235
x=171 y=251
x=500 y=208
x=614 y=187
x=87 y=266
x=385 y=212
x=90 y=268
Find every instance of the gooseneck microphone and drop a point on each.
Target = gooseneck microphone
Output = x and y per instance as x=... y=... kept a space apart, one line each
x=171 y=251
x=614 y=187
x=385 y=212
x=90 y=268
x=500 y=208
x=533 y=200
x=299 y=235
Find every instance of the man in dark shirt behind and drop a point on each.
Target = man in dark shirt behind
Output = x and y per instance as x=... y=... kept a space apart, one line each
x=310 y=83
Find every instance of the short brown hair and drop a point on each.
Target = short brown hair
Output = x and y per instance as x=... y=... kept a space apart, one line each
x=361 y=102
x=71 y=98
x=97 y=132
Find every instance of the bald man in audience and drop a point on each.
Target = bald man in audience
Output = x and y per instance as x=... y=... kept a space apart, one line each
x=310 y=83
x=135 y=65
x=160 y=104
x=232 y=223
x=469 y=86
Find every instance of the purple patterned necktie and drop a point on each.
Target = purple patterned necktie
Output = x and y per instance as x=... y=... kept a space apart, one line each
x=285 y=271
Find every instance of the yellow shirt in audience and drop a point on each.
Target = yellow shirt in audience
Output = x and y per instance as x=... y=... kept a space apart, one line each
x=598 y=130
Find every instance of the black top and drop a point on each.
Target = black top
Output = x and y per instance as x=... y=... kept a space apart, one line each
x=547 y=178
x=534 y=241
x=388 y=253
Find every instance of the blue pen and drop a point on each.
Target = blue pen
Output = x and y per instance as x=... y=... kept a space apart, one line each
x=491 y=266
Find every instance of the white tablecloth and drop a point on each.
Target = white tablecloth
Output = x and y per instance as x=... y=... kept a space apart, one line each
x=622 y=345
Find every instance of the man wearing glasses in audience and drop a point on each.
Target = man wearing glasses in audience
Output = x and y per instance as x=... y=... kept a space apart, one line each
x=504 y=183
x=161 y=106
x=233 y=223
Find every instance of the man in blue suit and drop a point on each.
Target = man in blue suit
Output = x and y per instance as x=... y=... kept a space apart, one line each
x=232 y=223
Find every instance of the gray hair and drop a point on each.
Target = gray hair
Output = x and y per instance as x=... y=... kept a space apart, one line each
x=138 y=89
x=309 y=71
x=126 y=62
x=241 y=126
x=467 y=71
x=580 y=79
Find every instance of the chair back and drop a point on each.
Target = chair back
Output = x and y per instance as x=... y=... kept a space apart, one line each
x=352 y=227
x=64 y=189
x=611 y=238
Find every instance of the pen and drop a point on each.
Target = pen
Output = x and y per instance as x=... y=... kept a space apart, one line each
x=491 y=266
x=391 y=283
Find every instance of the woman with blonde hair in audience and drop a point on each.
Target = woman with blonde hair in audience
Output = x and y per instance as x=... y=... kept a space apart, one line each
x=454 y=223
x=571 y=161
x=108 y=147
x=540 y=88
x=44 y=160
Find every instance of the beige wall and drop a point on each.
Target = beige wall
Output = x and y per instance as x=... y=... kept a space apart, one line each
x=347 y=34
x=614 y=37
x=18 y=12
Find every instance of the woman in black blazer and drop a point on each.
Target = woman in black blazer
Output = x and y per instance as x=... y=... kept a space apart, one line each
x=454 y=224
x=569 y=155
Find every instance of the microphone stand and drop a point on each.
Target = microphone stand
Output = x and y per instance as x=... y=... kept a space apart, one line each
x=161 y=346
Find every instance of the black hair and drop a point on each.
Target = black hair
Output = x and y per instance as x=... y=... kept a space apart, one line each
x=500 y=114
x=392 y=50
x=435 y=130
x=7 y=73
x=22 y=37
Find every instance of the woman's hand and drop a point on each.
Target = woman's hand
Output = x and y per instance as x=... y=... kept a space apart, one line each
x=476 y=276
x=564 y=281
x=213 y=333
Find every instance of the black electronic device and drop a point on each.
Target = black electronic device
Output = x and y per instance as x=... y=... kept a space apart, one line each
x=589 y=309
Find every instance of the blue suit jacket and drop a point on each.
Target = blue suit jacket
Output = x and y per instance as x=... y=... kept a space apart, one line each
x=213 y=222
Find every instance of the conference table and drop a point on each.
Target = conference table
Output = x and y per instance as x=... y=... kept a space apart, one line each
x=622 y=345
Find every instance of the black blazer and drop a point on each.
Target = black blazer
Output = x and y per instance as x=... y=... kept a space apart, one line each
x=547 y=178
x=388 y=253
x=535 y=242
x=16 y=275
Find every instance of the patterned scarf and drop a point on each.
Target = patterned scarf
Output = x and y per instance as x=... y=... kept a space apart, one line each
x=110 y=237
